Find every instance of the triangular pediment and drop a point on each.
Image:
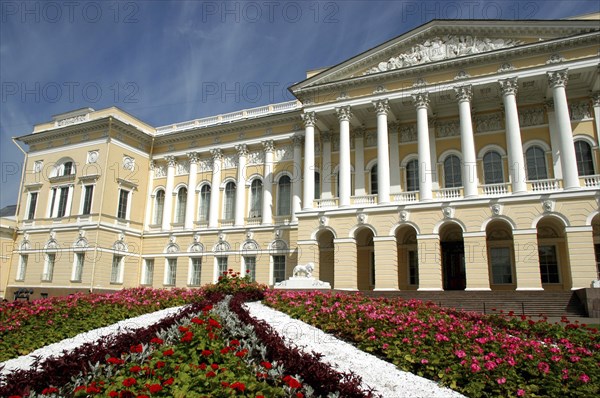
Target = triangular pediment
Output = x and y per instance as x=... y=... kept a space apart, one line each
x=440 y=41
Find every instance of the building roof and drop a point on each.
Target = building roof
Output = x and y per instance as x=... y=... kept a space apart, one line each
x=8 y=211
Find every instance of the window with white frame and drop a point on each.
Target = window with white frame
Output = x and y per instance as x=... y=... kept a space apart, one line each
x=250 y=265
x=123 y=204
x=278 y=269
x=148 y=272
x=170 y=271
x=373 y=175
x=116 y=273
x=284 y=196
x=412 y=175
x=413 y=267
x=60 y=201
x=501 y=263
x=159 y=206
x=78 y=262
x=181 y=205
x=221 y=266
x=229 y=198
x=317 y=185
x=256 y=191
x=535 y=158
x=48 y=271
x=204 y=206
x=195 y=271
x=585 y=161
x=23 y=259
x=88 y=194
x=452 y=172
x=492 y=168
x=33 y=196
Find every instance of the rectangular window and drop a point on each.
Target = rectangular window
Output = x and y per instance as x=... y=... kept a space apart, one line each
x=62 y=202
x=501 y=263
x=148 y=272
x=22 y=267
x=88 y=191
x=413 y=267
x=549 y=264
x=48 y=267
x=250 y=263
x=221 y=266
x=116 y=274
x=195 y=269
x=122 y=205
x=78 y=267
x=278 y=269
x=52 y=202
x=32 y=204
x=171 y=271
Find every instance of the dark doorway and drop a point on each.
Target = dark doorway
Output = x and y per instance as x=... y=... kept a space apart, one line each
x=453 y=265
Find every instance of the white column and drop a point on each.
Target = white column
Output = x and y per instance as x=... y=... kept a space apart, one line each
x=359 y=162
x=467 y=141
x=213 y=214
x=297 y=182
x=69 y=200
x=150 y=200
x=516 y=160
x=326 y=166
x=554 y=139
x=191 y=192
x=383 y=154
x=267 y=199
x=168 y=210
x=596 y=102
x=344 y=114
x=557 y=81
x=421 y=102
x=309 y=159
x=395 y=186
x=240 y=191
x=435 y=173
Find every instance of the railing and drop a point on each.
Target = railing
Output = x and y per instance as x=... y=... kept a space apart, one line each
x=449 y=193
x=282 y=220
x=495 y=189
x=364 y=200
x=591 y=181
x=253 y=221
x=544 y=185
x=405 y=197
x=202 y=224
x=227 y=223
x=325 y=203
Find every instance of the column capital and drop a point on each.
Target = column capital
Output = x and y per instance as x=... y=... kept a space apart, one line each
x=297 y=139
x=463 y=93
x=344 y=113
x=393 y=127
x=359 y=132
x=171 y=161
x=509 y=86
x=325 y=136
x=268 y=145
x=193 y=157
x=596 y=99
x=382 y=106
x=242 y=149
x=152 y=164
x=421 y=100
x=549 y=105
x=217 y=154
x=558 y=78
x=309 y=119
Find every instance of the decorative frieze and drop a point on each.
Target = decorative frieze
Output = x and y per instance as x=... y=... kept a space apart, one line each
x=72 y=120
x=284 y=152
x=230 y=161
x=160 y=171
x=408 y=133
x=183 y=167
x=371 y=139
x=580 y=110
x=128 y=163
x=205 y=165
x=256 y=157
x=489 y=122
x=531 y=117
x=448 y=129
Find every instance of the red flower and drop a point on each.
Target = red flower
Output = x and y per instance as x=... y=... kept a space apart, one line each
x=142 y=396
x=115 y=361
x=113 y=394
x=187 y=337
x=211 y=374
x=266 y=365
x=234 y=343
x=207 y=353
x=79 y=388
x=169 y=381
x=183 y=329
x=299 y=395
x=241 y=353
x=238 y=386
x=225 y=350
x=293 y=383
x=214 y=366
x=168 y=352
x=49 y=390
x=129 y=382
x=202 y=366
x=156 y=340
x=154 y=388
x=225 y=384
x=197 y=321
x=92 y=389
x=160 y=364
x=214 y=323
x=135 y=369
x=136 y=348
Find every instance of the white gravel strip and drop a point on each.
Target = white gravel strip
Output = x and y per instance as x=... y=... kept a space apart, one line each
x=56 y=349
x=383 y=376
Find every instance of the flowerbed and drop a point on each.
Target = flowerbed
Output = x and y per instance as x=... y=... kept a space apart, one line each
x=475 y=354
x=26 y=326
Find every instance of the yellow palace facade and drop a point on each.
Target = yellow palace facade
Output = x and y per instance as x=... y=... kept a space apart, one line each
x=461 y=155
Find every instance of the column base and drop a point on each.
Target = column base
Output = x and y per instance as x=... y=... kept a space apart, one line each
x=430 y=289
x=478 y=289
x=529 y=289
x=385 y=289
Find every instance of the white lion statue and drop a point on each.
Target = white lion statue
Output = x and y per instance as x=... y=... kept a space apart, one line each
x=304 y=269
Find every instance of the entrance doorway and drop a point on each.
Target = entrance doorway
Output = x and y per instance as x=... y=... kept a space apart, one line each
x=453 y=258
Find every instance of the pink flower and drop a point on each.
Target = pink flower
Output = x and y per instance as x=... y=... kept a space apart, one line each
x=424 y=361
x=501 y=380
x=584 y=378
x=520 y=393
x=475 y=368
x=460 y=353
x=544 y=367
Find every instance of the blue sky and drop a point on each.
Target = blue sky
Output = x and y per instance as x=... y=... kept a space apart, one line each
x=170 y=61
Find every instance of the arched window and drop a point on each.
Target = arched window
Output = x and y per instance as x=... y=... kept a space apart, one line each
x=536 y=163
x=67 y=168
x=452 y=172
x=374 y=180
x=317 y=185
x=284 y=196
x=159 y=206
x=181 y=205
x=412 y=175
x=256 y=191
x=204 y=202
x=229 y=207
x=492 y=168
x=585 y=162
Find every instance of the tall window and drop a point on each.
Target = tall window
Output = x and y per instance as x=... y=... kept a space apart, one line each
x=413 y=267
x=317 y=185
x=122 y=205
x=116 y=273
x=22 y=267
x=256 y=190
x=221 y=266
x=195 y=269
x=229 y=208
x=492 y=168
x=278 y=269
x=452 y=172
x=374 y=180
x=181 y=205
x=412 y=175
x=88 y=192
x=67 y=168
x=501 y=263
x=548 y=264
x=32 y=204
x=78 y=267
x=171 y=271
x=536 y=163
x=585 y=162
x=159 y=206
x=148 y=272
x=62 y=201
x=48 y=267
x=284 y=196
x=250 y=263
x=204 y=202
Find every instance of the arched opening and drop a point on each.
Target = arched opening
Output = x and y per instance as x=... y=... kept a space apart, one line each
x=326 y=257
x=159 y=205
x=501 y=257
x=596 y=233
x=553 y=256
x=408 y=260
x=365 y=259
x=453 y=257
